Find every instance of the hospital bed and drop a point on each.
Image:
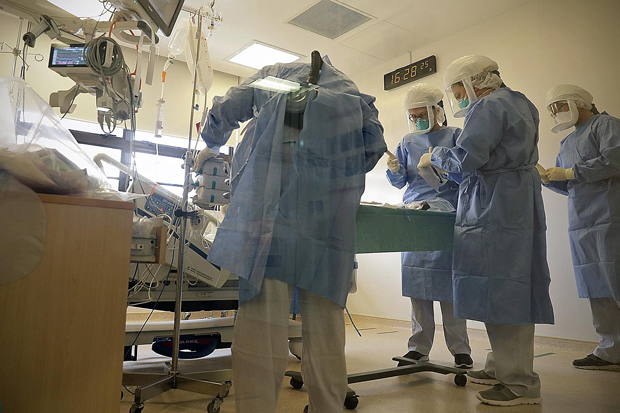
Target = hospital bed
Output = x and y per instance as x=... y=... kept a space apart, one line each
x=207 y=287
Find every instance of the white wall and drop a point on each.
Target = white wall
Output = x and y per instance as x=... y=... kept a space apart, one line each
x=178 y=88
x=537 y=46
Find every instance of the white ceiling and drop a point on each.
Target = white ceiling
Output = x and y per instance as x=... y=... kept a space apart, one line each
x=397 y=27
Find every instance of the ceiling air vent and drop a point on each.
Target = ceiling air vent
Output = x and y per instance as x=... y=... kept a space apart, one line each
x=329 y=19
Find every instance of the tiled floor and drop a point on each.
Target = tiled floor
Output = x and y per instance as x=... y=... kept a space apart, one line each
x=564 y=389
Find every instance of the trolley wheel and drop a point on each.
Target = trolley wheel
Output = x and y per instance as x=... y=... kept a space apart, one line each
x=351 y=402
x=296 y=384
x=136 y=408
x=460 y=380
x=214 y=406
x=295 y=346
x=228 y=386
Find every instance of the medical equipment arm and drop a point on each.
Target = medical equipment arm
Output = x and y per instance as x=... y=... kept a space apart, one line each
x=62 y=26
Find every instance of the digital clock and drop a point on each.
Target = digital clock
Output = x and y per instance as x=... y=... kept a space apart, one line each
x=410 y=73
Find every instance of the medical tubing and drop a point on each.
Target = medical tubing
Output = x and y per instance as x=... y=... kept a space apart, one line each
x=93 y=55
x=152 y=310
x=316 y=63
x=352 y=322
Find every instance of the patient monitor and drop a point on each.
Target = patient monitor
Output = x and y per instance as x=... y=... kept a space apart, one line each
x=101 y=70
x=159 y=202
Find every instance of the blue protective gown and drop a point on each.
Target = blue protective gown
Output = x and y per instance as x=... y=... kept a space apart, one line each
x=426 y=275
x=593 y=151
x=500 y=270
x=297 y=227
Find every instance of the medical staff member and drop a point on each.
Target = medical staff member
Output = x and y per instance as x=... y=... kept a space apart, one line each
x=427 y=275
x=291 y=223
x=588 y=171
x=500 y=271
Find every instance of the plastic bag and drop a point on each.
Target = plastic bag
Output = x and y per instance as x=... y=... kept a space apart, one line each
x=38 y=151
x=434 y=204
x=143 y=227
x=432 y=177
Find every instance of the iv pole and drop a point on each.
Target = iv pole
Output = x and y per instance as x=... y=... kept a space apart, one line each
x=201 y=383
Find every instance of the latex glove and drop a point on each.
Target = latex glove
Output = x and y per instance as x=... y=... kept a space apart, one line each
x=560 y=174
x=393 y=165
x=425 y=160
x=203 y=156
x=543 y=173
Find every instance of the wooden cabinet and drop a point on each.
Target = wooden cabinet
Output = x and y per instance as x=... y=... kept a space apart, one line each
x=62 y=326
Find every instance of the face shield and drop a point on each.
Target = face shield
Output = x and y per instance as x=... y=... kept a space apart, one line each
x=420 y=119
x=564 y=113
x=461 y=95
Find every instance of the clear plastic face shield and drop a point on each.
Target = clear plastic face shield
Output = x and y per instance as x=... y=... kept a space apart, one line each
x=420 y=119
x=461 y=95
x=564 y=113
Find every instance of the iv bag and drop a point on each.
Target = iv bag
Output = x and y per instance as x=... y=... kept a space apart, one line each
x=176 y=46
x=204 y=68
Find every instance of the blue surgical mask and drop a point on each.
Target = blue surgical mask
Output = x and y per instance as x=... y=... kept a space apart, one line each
x=422 y=124
x=463 y=103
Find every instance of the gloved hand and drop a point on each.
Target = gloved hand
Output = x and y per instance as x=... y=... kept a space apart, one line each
x=425 y=160
x=560 y=174
x=393 y=165
x=543 y=173
x=203 y=155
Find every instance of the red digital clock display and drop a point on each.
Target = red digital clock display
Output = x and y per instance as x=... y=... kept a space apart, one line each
x=410 y=73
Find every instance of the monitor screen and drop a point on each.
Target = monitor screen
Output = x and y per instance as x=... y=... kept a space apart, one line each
x=163 y=12
x=67 y=56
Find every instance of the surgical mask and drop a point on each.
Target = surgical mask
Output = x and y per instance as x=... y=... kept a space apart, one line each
x=463 y=103
x=422 y=124
x=566 y=119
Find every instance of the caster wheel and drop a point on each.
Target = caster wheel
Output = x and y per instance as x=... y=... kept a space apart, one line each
x=214 y=406
x=296 y=384
x=306 y=409
x=460 y=380
x=351 y=402
x=228 y=386
x=295 y=346
x=136 y=408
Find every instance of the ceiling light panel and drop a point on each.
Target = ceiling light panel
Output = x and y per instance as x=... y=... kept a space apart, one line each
x=259 y=55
